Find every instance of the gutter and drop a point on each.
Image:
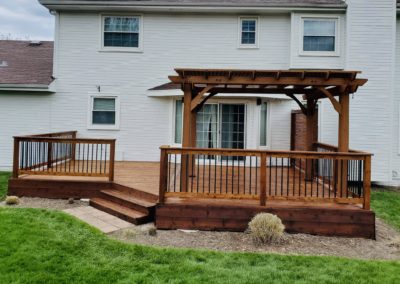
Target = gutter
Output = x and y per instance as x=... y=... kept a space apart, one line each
x=144 y=6
x=25 y=88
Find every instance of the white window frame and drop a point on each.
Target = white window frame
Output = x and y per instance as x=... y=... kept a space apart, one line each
x=174 y=121
x=248 y=46
x=90 y=124
x=336 y=52
x=120 y=48
x=268 y=131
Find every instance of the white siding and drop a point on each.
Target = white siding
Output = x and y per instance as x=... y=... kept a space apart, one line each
x=370 y=49
x=21 y=114
x=170 y=41
x=396 y=109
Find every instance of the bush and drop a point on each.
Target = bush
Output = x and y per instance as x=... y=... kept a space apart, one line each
x=266 y=228
x=152 y=231
x=12 y=200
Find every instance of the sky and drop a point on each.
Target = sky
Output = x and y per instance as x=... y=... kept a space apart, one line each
x=25 y=20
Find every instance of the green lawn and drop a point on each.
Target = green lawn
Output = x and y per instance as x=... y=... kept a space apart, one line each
x=4 y=176
x=386 y=205
x=38 y=246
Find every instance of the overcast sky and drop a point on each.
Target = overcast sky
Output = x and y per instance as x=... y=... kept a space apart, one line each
x=25 y=19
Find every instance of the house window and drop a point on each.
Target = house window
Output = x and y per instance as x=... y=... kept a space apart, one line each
x=248 y=32
x=178 y=121
x=121 y=32
x=263 y=124
x=104 y=113
x=319 y=35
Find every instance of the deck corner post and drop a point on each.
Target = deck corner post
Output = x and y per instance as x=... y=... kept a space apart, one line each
x=163 y=175
x=15 y=173
x=263 y=179
x=112 y=161
x=367 y=182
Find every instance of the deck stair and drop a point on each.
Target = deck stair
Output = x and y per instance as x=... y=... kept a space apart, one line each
x=129 y=204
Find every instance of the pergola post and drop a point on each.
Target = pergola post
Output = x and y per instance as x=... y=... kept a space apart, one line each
x=311 y=125
x=186 y=134
x=343 y=142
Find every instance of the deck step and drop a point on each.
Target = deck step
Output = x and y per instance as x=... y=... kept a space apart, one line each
x=120 y=211
x=128 y=200
x=135 y=192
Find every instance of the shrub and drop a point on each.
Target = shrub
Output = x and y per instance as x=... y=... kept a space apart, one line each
x=152 y=231
x=266 y=228
x=12 y=200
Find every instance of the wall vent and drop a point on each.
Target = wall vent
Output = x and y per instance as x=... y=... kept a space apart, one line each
x=3 y=63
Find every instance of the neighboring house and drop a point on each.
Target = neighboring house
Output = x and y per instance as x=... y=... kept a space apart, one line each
x=112 y=60
x=25 y=91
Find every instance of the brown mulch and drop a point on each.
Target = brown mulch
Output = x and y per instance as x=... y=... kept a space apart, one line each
x=387 y=245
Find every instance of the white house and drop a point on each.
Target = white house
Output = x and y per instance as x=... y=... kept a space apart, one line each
x=112 y=60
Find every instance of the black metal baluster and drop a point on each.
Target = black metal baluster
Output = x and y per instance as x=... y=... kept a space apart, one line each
x=270 y=176
x=300 y=177
x=251 y=159
x=175 y=173
x=281 y=176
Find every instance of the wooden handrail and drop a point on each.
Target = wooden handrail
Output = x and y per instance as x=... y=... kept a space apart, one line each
x=65 y=140
x=53 y=134
x=322 y=165
x=334 y=148
x=60 y=155
x=258 y=153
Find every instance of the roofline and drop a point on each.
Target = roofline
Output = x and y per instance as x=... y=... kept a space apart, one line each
x=25 y=87
x=218 y=7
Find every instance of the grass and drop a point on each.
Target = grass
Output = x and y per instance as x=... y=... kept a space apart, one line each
x=4 y=176
x=39 y=246
x=386 y=205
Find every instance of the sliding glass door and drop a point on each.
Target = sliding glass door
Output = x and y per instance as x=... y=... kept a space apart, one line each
x=221 y=126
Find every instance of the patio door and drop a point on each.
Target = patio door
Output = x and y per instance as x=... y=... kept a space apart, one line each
x=221 y=126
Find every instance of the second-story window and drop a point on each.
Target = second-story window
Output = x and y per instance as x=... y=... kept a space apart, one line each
x=121 y=32
x=248 y=32
x=319 y=35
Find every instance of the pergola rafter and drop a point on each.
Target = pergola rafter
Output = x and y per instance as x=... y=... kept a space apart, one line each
x=311 y=84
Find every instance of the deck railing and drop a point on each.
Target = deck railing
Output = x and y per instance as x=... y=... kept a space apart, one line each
x=63 y=154
x=265 y=175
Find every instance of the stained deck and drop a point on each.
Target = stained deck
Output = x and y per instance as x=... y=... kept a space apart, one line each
x=144 y=176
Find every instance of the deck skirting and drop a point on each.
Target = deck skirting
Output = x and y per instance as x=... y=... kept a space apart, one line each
x=314 y=220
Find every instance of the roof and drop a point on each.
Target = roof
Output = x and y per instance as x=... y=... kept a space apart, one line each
x=201 y=3
x=22 y=63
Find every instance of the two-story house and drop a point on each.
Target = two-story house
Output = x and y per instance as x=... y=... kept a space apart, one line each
x=112 y=60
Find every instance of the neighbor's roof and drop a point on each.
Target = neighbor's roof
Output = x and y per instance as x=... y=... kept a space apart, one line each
x=202 y=3
x=26 y=64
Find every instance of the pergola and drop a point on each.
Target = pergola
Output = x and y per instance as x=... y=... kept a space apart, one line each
x=199 y=85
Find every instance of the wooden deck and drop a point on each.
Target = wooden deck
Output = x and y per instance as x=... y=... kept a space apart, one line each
x=198 y=212
x=144 y=176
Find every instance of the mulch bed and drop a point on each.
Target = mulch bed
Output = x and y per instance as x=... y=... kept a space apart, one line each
x=387 y=245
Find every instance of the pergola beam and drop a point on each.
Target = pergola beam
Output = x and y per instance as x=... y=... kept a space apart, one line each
x=220 y=80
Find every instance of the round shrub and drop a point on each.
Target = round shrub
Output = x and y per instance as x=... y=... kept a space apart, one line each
x=12 y=200
x=266 y=228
